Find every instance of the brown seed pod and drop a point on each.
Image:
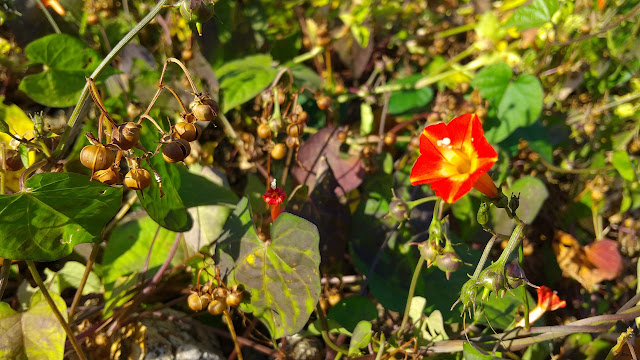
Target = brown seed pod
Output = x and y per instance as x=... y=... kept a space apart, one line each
x=292 y=142
x=235 y=297
x=205 y=109
x=108 y=176
x=198 y=302
x=97 y=157
x=217 y=306
x=323 y=102
x=92 y=19
x=126 y=135
x=263 y=132
x=342 y=136
x=279 y=151
x=220 y=293
x=295 y=130
x=390 y=138
x=12 y=160
x=303 y=116
x=187 y=54
x=176 y=150
x=138 y=179
x=187 y=131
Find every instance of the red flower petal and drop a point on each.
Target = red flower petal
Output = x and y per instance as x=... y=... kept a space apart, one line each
x=453 y=157
x=274 y=196
x=549 y=300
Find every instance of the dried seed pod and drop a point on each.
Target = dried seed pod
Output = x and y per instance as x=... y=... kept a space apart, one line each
x=126 y=135
x=205 y=109
x=217 y=306
x=390 y=138
x=138 y=179
x=292 y=142
x=187 y=131
x=176 y=150
x=323 y=102
x=97 y=157
x=303 y=116
x=279 y=151
x=263 y=131
x=235 y=297
x=187 y=54
x=108 y=176
x=295 y=130
x=220 y=293
x=198 y=302
x=92 y=19
x=12 y=161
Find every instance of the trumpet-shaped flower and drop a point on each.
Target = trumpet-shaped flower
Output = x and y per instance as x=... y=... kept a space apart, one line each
x=55 y=5
x=274 y=197
x=455 y=157
x=547 y=301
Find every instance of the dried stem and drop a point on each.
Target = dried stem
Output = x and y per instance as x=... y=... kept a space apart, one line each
x=234 y=337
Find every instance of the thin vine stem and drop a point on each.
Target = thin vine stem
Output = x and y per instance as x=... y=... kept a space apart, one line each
x=234 y=337
x=48 y=16
x=73 y=123
x=87 y=270
x=55 y=310
x=325 y=331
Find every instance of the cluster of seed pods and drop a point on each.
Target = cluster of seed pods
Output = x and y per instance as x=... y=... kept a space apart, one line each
x=104 y=159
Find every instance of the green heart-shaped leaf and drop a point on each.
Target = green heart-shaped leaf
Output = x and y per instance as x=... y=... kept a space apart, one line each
x=281 y=275
x=35 y=334
x=59 y=211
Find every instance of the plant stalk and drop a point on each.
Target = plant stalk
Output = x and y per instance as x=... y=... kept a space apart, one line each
x=234 y=337
x=87 y=270
x=54 y=308
x=73 y=123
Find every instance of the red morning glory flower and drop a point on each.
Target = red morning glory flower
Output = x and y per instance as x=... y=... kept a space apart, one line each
x=274 y=197
x=55 y=5
x=548 y=300
x=455 y=157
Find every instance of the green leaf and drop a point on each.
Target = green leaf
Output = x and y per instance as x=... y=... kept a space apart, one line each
x=63 y=52
x=537 y=13
x=622 y=163
x=409 y=101
x=169 y=211
x=70 y=276
x=68 y=60
x=536 y=136
x=304 y=76
x=241 y=80
x=59 y=211
x=361 y=337
x=471 y=353
x=59 y=88
x=499 y=312
x=351 y=310
x=207 y=186
x=520 y=106
x=129 y=244
x=35 y=334
x=492 y=82
x=366 y=119
x=281 y=276
x=533 y=194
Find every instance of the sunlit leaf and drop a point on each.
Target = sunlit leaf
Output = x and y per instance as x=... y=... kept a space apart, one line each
x=59 y=211
x=281 y=276
x=241 y=80
x=35 y=334
x=361 y=337
x=534 y=14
